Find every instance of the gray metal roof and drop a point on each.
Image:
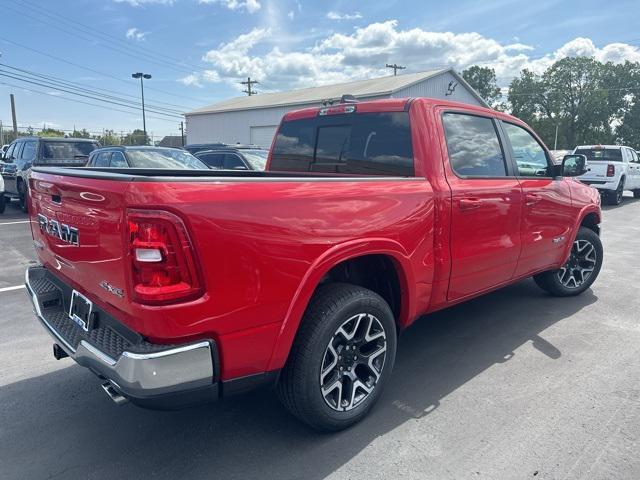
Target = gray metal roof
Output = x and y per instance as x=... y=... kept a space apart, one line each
x=361 y=89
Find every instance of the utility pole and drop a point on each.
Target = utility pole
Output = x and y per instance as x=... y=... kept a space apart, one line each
x=395 y=68
x=1 y=134
x=181 y=132
x=249 y=83
x=555 y=143
x=13 y=115
x=142 y=76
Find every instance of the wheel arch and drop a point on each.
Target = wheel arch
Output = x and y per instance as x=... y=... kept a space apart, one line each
x=387 y=251
x=589 y=217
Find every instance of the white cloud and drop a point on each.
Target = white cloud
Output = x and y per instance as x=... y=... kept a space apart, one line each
x=343 y=16
x=291 y=14
x=135 y=34
x=251 y=6
x=364 y=52
x=195 y=79
x=140 y=3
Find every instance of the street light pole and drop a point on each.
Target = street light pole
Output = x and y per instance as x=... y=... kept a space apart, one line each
x=142 y=76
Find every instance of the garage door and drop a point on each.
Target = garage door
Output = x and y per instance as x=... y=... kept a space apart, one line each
x=262 y=136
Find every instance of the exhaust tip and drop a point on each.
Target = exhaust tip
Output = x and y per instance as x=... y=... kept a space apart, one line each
x=113 y=394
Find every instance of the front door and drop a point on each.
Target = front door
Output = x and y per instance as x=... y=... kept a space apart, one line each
x=547 y=213
x=486 y=205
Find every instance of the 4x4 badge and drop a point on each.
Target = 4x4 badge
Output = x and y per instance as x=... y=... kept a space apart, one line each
x=118 y=292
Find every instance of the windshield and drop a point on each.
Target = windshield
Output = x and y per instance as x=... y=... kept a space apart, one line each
x=67 y=150
x=257 y=158
x=601 y=154
x=164 y=158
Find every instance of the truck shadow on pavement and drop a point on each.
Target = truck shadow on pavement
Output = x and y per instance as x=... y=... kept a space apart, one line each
x=62 y=425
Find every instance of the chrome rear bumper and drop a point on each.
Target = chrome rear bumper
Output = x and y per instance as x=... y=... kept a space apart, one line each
x=139 y=370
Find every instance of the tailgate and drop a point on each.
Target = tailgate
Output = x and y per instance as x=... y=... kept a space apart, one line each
x=596 y=171
x=78 y=231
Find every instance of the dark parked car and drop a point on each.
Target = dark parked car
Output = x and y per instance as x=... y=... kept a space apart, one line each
x=26 y=152
x=144 y=157
x=200 y=147
x=234 y=158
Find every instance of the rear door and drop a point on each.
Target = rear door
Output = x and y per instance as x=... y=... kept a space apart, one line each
x=486 y=205
x=547 y=213
x=633 y=178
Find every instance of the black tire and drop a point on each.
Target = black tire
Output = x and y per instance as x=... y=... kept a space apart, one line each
x=23 y=192
x=3 y=202
x=615 y=197
x=299 y=387
x=636 y=194
x=551 y=281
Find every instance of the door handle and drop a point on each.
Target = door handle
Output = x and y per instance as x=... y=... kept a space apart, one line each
x=532 y=199
x=470 y=203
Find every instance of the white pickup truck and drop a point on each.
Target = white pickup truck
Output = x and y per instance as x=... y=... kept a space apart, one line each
x=611 y=169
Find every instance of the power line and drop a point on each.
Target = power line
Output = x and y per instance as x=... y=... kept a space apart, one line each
x=81 y=88
x=98 y=72
x=111 y=38
x=90 y=36
x=77 y=101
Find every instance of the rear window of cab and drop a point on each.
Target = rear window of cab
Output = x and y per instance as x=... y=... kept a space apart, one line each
x=351 y=143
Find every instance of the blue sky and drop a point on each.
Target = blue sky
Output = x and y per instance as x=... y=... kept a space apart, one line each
x=198 y=50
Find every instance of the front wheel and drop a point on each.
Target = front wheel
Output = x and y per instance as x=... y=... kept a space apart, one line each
x=636 y=193
x=3 y=202
x=342 y=357
x=580 y=271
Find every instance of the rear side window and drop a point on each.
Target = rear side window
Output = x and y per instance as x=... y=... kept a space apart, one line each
x=29 y=151
x=233 y=162
x=213 y=160
x=356 y=143
x=67 y=150
x=473 y=145
x=601 y=154
x=101 y=159
x=118 y=160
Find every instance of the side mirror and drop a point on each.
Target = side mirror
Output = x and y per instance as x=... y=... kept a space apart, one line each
x=574 y=165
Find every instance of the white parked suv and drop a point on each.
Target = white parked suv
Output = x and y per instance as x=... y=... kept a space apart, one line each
x=612 y=169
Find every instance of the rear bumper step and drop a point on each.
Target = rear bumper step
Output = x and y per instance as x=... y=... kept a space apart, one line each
x=152 y=375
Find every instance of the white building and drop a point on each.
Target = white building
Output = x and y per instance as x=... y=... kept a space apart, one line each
x=254 y=119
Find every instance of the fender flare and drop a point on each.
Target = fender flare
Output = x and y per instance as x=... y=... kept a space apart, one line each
x=320 y=267
x=586 y=210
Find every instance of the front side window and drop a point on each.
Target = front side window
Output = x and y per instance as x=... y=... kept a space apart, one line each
x=350 y=143
x=118 y=160
x=473 y=145
x=529 y=155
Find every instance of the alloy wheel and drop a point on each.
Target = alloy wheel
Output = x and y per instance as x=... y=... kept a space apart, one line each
x=580 y=265
x=353 y=362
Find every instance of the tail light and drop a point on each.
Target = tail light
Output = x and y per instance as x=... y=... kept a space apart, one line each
x=611 y=170
x=162 y=258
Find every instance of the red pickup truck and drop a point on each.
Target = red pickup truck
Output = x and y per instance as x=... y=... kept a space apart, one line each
x=181 y=286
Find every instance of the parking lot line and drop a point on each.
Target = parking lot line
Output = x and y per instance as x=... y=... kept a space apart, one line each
x=13 y=223
x=8 y=289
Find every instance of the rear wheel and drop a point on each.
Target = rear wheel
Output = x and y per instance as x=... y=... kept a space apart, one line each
x=342 y=357
x=615 y=197
x=3 y=202
x=23 y=192
x=636 y=194
x=580 y=271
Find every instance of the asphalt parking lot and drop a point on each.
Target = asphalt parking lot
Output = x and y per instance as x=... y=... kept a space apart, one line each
x=513 y=385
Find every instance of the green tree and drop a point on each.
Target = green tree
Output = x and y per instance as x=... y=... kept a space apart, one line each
x=80 y=133
x=483 y=80
x=108 y=138
x=137 y=137
x=50 y=132
x=580 y=98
